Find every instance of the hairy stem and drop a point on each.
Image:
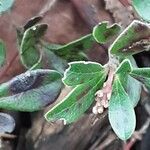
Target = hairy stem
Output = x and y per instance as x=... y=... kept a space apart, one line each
x=103 y=95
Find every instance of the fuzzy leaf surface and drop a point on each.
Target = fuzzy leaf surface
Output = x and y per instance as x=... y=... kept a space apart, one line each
x=121 y=111
x=82 y=96
x=134 y=39
x=142 y=7
x=103 y=33
x=30 y=91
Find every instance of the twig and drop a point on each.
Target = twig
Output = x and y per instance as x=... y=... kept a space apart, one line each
x=47 y=7
x=125 y=3
x=7 y=136
x=137 y=135
x=108 y=141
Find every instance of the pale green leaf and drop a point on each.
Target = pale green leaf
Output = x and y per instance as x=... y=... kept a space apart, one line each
x=142 y=7
x=121 y=111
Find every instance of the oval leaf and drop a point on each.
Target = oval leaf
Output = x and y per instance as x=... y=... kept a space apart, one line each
x=142 y=7
x=134 y=39
x=30 y=91
x=121 y=112
x=5 y=5
x=103 y=33
x=7 y=123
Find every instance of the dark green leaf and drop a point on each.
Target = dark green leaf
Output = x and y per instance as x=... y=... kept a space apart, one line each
x=142 y=7
x=103 y=33
x=5 y=5
x=143 y=75
x=7 y=123
x=2 y=53
x=82 y=96
x=30 y=91
x=29 y=50
x=72 y=51
x=123 y=70
x=134 y=39
x=82 y=72
x=121 y=112
x=131 y=86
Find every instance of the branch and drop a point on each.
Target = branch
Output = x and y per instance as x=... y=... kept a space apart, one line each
x=137 y=135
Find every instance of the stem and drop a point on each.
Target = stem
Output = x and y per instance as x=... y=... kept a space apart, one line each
x=103 y=95
x=137 y=135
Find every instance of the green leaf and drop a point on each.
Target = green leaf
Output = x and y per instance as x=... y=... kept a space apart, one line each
x=123 y=70
x=82 y=96
x=142 y=75
x=82 y=72
x=133 y=89
x=72 y=51
x=30 y=91
x=131 y=86
x=134 y=39
x=29 y=50
x=5 y=5
x=121 y=112
x=2 y=53
x=142 y=7
x=103 y=33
